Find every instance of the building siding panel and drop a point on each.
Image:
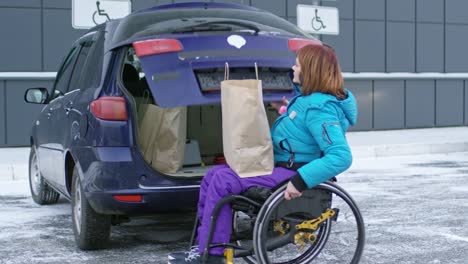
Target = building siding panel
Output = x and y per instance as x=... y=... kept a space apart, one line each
x=420 y=103
x=22 y=51
x=429 y=48
x=455 y=48
x=370 y=9
x=20 y=3
x=362 y=90
x=449 y=103
x=370 y=46
x=401 y=10
x=430 y=11
x=400 y=47
x=57 y=3
x=455 y=11
x=389 y=104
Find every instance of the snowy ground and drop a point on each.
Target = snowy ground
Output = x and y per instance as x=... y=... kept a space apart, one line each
x=414 y=208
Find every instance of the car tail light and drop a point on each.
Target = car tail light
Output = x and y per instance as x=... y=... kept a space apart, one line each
x=135 y=198
x=295 y=44
x=110 y=108
x=156 y=46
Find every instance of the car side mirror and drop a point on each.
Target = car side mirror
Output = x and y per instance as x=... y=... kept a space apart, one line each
x=36 y=95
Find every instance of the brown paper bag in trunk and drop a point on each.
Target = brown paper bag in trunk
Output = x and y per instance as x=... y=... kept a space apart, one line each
x=169 y=146
x=148 y=124
x=162 y=135
x=246 y=134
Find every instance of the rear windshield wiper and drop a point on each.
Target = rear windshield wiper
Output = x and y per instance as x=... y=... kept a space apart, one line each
x=222 y=22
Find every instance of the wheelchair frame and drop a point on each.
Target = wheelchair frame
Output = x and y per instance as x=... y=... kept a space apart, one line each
x=263 y=211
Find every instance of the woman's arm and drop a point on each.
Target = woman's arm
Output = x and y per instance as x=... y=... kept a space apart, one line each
x=325 y=127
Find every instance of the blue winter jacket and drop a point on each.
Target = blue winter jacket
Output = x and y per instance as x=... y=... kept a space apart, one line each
x=313 y=128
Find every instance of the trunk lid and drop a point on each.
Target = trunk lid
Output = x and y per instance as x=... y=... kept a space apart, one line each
x=192 y=74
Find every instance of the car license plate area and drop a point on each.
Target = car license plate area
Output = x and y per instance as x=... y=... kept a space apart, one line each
x=273 y=79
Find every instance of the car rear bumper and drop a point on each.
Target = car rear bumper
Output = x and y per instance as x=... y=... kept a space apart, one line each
x=110 y=171
x=153 y=201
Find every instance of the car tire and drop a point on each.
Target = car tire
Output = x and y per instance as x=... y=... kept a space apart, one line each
x=92 y=230
x=41 y=192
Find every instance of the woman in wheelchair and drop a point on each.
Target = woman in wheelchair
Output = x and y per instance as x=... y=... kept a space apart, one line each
x=310 y=148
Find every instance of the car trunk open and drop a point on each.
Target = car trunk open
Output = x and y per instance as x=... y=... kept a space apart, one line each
x=203 y=147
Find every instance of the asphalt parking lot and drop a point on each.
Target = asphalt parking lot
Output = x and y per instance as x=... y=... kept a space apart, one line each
x=414 y=209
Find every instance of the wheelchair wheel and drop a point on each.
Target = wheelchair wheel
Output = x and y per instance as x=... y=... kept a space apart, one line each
x=241 y=222
x=324 y=225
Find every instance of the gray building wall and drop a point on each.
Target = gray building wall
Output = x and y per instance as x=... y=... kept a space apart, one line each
x=375 y=36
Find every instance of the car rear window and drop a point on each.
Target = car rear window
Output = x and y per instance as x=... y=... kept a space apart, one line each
x=170 y=20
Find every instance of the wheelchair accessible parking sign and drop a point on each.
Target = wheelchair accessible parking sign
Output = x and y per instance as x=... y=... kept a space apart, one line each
x=318 y=19
x=89 y=13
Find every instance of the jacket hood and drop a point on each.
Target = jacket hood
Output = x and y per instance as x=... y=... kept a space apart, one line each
x=349 y=107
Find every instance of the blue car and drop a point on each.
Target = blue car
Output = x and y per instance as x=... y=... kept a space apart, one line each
x=86 y=144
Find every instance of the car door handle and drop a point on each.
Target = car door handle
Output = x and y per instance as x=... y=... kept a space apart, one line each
x=68 y=107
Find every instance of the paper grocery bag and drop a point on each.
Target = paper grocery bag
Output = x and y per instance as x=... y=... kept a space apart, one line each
x=148 y=123
x=169 y=147
x=162 y=135
x=149 y=117
x=247 y=141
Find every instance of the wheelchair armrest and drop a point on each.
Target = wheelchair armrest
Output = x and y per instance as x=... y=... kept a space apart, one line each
x=259 y=193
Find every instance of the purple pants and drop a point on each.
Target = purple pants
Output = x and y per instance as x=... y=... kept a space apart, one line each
x=222 y=181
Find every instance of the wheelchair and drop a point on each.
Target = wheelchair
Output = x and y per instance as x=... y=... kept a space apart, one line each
x=324 y=225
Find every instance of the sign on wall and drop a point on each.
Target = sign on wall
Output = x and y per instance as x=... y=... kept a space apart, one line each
x=318 y=19
x=89 y=13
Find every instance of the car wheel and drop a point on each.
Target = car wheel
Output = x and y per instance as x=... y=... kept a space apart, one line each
x=92 y=230
x=41 y=192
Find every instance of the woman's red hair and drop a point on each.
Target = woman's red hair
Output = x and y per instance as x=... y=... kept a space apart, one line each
x=320 y=71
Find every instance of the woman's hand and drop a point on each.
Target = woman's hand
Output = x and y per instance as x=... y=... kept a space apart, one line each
x=291 y=192
x=278 y=105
